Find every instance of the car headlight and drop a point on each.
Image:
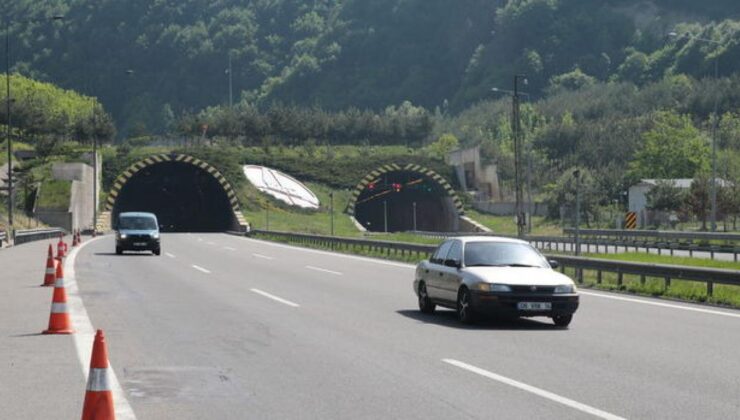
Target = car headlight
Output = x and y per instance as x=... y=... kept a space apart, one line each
x=155 y=235
x=488 y=287
x=566 y=288
x=122 y=235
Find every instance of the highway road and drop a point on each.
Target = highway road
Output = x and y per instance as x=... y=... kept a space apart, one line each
x=226 y=327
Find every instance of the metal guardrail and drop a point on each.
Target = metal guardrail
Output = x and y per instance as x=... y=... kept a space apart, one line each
x=601 y=244
x=682 y=236
x=30 y=235
x=710 y=276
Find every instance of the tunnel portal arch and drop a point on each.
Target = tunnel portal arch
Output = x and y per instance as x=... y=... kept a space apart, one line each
x=203 y=170
x=410 y=194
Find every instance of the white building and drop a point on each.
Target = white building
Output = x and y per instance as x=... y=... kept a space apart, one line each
x=638 y=194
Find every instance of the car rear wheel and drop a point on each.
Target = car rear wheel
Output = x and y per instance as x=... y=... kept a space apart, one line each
x=464 y=310
x=425 y=304
x=562 y=320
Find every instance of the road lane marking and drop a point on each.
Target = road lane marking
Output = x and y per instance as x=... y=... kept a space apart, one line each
x=661 y=304
x=85 y=335
x=169 y=255
x=228 y=248
x=413 y=267
x=211 y=243
x=275 y=298
x=264 y=257
x=534 y=390
x=324 y=270
x=201 y=269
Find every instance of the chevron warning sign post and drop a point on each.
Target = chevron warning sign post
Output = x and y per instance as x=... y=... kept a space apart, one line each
x=630 y=220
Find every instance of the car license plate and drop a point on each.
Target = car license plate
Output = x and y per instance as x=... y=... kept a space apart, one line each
x=139 y=243
x=534 y=306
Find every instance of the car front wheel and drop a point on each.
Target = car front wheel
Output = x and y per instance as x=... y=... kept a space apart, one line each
x=157 y=251
x=119 y=250
x=562 y=320
x=425 y=304
x=464 y=310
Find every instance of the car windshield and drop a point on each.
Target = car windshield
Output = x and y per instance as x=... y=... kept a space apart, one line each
x=500 y=254
x=137 y=223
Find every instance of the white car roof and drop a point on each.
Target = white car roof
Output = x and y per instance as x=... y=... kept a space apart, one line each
x=479 y=238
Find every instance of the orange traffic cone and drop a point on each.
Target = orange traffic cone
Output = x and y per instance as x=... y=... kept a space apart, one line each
x=98 y=396
x=74 y=239
x=79 y=237
x=50 y=275
x=61 y=248
x=59 y=322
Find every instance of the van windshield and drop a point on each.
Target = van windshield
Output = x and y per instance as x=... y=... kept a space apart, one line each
x=137 y=223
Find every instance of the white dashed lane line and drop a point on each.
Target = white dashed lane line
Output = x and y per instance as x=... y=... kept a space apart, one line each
x=534 y=390
x=201 y=269
x=323 y=270
x=211 y=243
x=264 y=257
x=228 y=248
x=275 y=298
x=169 y=255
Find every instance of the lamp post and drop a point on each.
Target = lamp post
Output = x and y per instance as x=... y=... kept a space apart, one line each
x=230 y=72
x=715 y=121
x=517 y=155
x=7 y=108
x=95 y=169
x=414 y=205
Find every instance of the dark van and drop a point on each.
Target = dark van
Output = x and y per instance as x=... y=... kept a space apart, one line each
x=137 y=231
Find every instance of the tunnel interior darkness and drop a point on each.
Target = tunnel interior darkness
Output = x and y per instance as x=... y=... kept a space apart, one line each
x=184 y=197
x=395 y=193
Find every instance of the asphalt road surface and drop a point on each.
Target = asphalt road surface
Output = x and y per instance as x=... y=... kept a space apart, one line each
x=226 y=327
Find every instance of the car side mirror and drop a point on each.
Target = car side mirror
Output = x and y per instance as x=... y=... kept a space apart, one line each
x=554 y=264
x=452 y=263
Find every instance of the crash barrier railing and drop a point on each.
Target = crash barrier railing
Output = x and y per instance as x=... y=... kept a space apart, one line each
x=30 y=235
x=604 y=244
x=710 y=276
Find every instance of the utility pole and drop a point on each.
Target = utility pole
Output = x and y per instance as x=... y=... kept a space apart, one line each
x=414 y=205
x=229 y=71
x=95 y=169
x=577 y=176
x=715 y=122
x=516 y=125
x=331 y=210
x=385 y=216
x=8 y=125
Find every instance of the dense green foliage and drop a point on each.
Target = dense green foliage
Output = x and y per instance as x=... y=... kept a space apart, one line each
x=149 y=60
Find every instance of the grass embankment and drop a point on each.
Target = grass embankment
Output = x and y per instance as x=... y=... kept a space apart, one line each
x=54 y=195
x=679 y=289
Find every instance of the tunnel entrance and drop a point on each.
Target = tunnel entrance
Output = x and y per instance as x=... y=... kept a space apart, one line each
x=403 y=200
x=184 y=196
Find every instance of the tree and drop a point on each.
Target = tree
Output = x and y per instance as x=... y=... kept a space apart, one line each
x=665 y=196
x=444 y=145
x=672 y=148
x=697 y=200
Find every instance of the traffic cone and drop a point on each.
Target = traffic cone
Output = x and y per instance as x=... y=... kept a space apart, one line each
x=61 y=248
x=74 y=239
x=59 y=322
x=79 y=237
x=50 y=275
x=98 y=396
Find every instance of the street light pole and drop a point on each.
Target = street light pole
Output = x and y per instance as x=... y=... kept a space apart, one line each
x=331 y=210
x=713 y=181
x=414 y=204
x=8 y=124
x=516 y=124
x=95 y=170
x=231 y=97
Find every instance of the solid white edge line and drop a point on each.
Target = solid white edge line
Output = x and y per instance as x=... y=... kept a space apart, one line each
x=534 y=390
x=169 y=255
x=661 y=304
x=275 y=298
x=411 y=266
x=324 y=270
x=264 y=257
x=201 y=269
x=85 y=334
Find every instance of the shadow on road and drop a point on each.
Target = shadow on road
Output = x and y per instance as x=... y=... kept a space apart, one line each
x=137 y=254
x=448 y=318
x=25 y=335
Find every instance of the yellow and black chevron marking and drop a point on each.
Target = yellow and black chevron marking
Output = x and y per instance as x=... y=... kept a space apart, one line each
x=630 y=220
x=374 y=175
x=155 y=159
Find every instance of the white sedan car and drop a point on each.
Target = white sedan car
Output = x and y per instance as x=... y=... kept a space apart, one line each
x=478 y=275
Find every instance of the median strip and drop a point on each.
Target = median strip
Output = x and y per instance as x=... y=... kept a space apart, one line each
x=275 y=298
x=534 y=390
x=201 y=269
x=323 y=270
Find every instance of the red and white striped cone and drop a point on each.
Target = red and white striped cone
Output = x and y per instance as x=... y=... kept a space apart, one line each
x=50 y=275
x=98 y=396
x=59 y=322
x=61 y=248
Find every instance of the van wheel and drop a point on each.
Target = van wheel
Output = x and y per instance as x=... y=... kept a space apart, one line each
x=157 y=251
x=119 y=251
x=562 y=320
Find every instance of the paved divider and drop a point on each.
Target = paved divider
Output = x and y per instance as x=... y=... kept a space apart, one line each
x=709 y=276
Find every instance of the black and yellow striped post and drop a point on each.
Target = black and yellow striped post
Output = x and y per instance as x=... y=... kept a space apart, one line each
x=630 y=220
